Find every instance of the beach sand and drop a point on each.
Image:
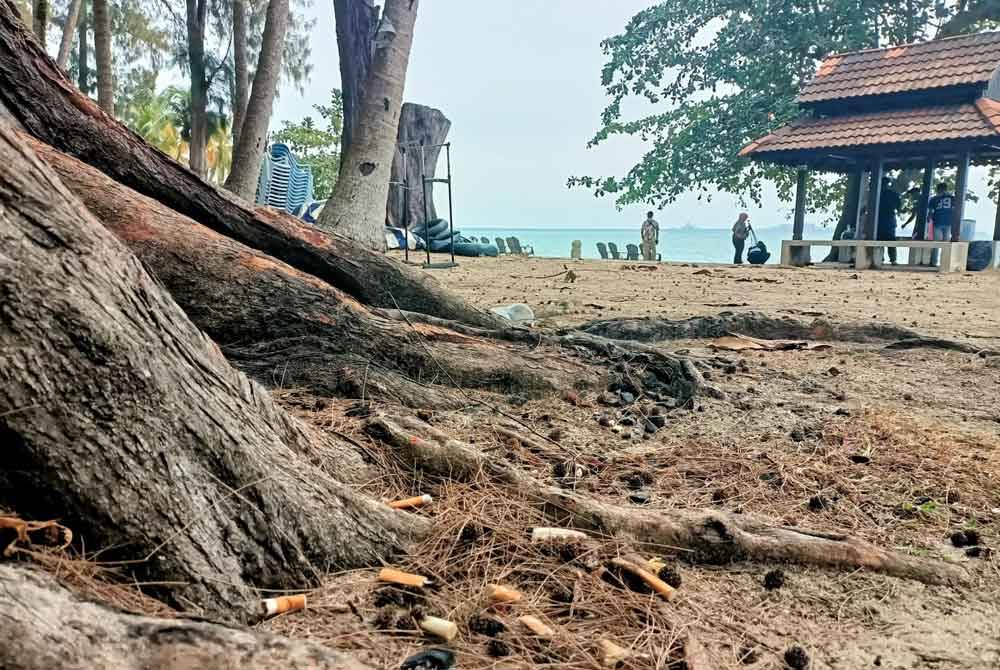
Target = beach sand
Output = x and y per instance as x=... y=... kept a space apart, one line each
x=898 y=447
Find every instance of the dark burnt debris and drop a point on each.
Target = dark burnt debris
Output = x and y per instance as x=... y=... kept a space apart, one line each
x=774 y=580
x=796 y=658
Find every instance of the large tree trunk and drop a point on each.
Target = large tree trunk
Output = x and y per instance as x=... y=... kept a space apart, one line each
x=285 y=327
x=418 y=126
x=249 y=150
x=69 y=30
x=40 y=10
x=197 y=14
x=240 y=68
x=357 y=207
x=46 y=626
x=356 y=21
x=83 y=53
x=121 y=417
x=102 y=48
x=38 y=96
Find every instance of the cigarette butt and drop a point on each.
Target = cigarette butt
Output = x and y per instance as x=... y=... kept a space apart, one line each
x=540 y=534
x=283 y=604
x=502 y=594
x=535 y=625
x=402 y=578
x=612 y=654
x=652 y=580
x=444 y=629
x=656 y=564
x=410 y=503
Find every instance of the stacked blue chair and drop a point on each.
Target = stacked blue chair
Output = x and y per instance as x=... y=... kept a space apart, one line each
x=283 y=182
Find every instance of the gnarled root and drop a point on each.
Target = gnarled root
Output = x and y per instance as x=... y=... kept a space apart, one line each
x=707 y=536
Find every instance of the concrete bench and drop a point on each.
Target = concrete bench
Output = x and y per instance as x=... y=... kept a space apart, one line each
x=868 y=253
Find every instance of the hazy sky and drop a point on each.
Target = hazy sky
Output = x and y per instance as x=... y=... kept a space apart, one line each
x=520 y=81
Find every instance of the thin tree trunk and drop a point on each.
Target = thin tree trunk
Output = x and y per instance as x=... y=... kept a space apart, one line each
x=248 y=152
x=241 y=71
x=37 y=95
x=102 y=48
x=197 y=13
x=356 y=21
x=46 y=626
x=123 y=419
x=69 y=30
x=357 y=207
x=83 y=54
x=40 y=20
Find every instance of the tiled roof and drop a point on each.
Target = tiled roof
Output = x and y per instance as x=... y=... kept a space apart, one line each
x=963 y=60
x=980 y=120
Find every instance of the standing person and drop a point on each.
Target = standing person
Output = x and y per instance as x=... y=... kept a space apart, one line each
x=650 y=234
x=889 y=203
x=940 y=210
x=741 y=231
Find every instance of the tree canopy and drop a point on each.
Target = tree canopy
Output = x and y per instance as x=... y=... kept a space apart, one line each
x=721 y=73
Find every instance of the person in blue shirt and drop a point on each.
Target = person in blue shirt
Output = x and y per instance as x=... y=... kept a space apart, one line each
x=939 y=211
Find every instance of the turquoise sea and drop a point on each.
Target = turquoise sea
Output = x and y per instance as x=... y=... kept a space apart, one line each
x=691 y=245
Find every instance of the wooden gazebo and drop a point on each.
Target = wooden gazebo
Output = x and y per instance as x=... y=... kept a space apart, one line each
x=913 y=106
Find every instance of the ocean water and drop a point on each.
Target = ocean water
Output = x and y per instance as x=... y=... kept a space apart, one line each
x=690 y=245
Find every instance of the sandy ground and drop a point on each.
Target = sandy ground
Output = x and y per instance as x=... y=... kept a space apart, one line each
x=959 y=305
x=902 y=448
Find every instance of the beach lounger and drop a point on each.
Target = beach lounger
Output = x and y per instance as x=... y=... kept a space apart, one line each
x=575 y=250
x=501 y=247
x=514 y=246
x=484 y=240
x=631 y=252
x=613 y=250
x=602 y=249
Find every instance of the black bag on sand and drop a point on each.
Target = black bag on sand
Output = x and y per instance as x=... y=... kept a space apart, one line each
x=758 y=254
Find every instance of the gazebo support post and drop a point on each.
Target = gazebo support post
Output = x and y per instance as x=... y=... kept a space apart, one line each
x=849 y=216
x=866 y=255
x=799 y=221
x=961 y=187
x=923 y=256
x=995 y=257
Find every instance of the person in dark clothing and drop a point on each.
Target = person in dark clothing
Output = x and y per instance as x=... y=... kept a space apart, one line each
x=889 y=204
x=940 y=210
x=741 y=231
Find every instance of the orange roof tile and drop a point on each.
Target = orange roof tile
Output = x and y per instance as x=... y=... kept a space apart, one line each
x=955 y=61
x=980 y=120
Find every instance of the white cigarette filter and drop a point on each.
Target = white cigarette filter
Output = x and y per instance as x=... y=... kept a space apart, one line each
x=283 y=604
x=612 y=654
x=410 y=503
x=540 y=534
x=442 y=628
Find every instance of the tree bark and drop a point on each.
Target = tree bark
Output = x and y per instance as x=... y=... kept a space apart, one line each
x=712 y=536
x=38 y=96
x=253 y=132
x=102 y=48
x=83 y=54
x=241 y=70
x=284 y=327
x=356 y=21
x=197 y=14
x=40 y=20
x=69 y=30
x=357 y=207
x=46 y=626
x=418 y=125
x=123 y=419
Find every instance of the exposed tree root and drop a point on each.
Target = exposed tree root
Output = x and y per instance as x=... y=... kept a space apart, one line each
x=707 y=536
x=754 y=324
x=938 y=343
x=287 y=328
x=44 y=626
